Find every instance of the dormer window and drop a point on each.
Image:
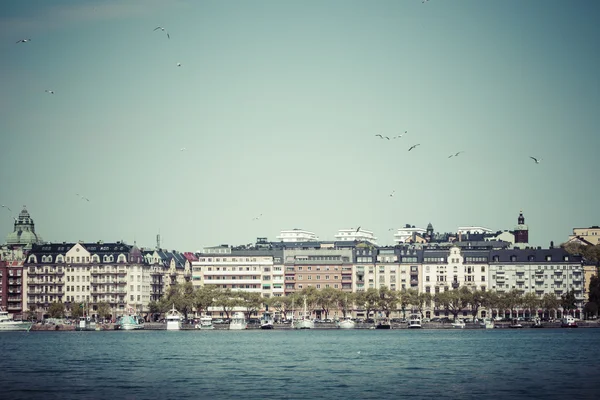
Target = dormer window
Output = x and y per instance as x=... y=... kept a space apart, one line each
x=548 y=258
x=60 y=259
x=32 y=259
x=513 y=258
x=496 y=258
x=122 y=258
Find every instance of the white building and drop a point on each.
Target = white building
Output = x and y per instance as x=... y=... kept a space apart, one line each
x=297 y=235
x=403 y=235
x=359 y=235
x=475 y=230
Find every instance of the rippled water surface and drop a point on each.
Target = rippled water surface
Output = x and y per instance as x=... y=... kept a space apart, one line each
x=317 y=364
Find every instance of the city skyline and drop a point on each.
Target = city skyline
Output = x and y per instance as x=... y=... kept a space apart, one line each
x=275 y=109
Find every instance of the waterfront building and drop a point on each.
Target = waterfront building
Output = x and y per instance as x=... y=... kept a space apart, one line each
x=11 y=287
x=591 y=235
x=85 y=274
x=358 y=235
x=538 y=271
x=258 y=271
x=297 y=235
x=408 y=233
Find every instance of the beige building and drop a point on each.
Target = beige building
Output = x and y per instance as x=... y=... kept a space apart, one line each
x=591 y=234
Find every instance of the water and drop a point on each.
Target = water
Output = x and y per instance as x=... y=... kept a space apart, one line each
x=317 y=364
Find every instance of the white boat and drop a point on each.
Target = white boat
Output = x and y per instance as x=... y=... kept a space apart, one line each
x=267 y=321
x=515 y=324
x=414 y=322
x=487 y=323
x=173 y=319
x=458 y=324
x=8 y=324
x=347 y=323
x=568 y=322
x=238 y=322
x=305 y=322
x=205 y=323
x=130 y=323
x=86 y=324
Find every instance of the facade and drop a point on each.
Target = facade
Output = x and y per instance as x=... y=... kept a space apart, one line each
x=591 y=234
x=297 y=235
x=11 y=287
x=538 y=271
x=318 y=267
x=84 y=275
x=258 y=271
x=359 y=235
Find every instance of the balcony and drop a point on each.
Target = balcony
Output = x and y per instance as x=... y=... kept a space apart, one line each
x=414 y=282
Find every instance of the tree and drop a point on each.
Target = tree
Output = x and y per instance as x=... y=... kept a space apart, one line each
x=594 y=290
x=550 y=303
x=568 y=301
x=179 y=295
x=32 y=312
x=204 y=297
x=454 y=301
x=477 y=299
x=404 y=298
x=387 y=300
x=251 y=302
x=56 y=310
x=310 y=294
x=103 y=310
x=531 y=302
x=344 y=301
x=326 y=298
x=490 y=301
x=226 y=301
x=590 y=310
x=76 y=310
x=367 y=300
x=511 y=300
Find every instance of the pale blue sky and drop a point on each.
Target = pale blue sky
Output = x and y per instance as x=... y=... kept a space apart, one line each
x=278 y=102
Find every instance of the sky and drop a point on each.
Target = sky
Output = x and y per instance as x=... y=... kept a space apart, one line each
x=277 y=104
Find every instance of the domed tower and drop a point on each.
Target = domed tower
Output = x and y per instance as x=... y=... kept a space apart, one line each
x=429 y=232
x=521 y=231
x=24 y=231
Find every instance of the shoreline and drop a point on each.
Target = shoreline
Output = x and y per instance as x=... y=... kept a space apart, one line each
x=323 y=326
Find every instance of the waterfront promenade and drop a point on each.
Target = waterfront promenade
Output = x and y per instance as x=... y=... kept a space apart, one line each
x=321 y=326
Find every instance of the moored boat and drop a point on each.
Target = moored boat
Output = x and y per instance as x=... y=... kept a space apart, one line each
x=174 y=320
x=383 y=324
x=487 y=323
x=238 y=322
x=414 y=322
x=458 y=324
x=568 y=322
x=305 y=322
x=130 y=323
x=267 y=321
x=515 y=324
x=9 y=324
x=347 y=323
x=86 y=324
x=205 y=323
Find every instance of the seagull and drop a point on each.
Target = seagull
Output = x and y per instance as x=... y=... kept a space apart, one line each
x=3 y=206
x=379 y=135
x=391 y=229
x=49 y=91
x=400 y=135
x=183 y=149
x=536 y=160
x=82 y=197
x=387 y=137
x=413 y=146
x=162 y=29
x=455 y=155
x=179 y=64
x=23 y=40
x=256 y=218
x=358 y=229
x=392 y=194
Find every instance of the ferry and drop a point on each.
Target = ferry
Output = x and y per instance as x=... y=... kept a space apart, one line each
x=8 y=324
x=414 y=322
x=173 y=320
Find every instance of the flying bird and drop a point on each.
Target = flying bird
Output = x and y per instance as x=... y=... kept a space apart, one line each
x=536 y=160
x=391 y=229
x=455 y=155
x=379 y=135
x=23 y=40
x=183 y=149
x=162 y=29
x=3 y=206
x=82 y=197
x=392 y=194
x=179 y=64
x=49 y=91
x=413 y=146
x=358 y=229
x=400 y=135
x=256 y=218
